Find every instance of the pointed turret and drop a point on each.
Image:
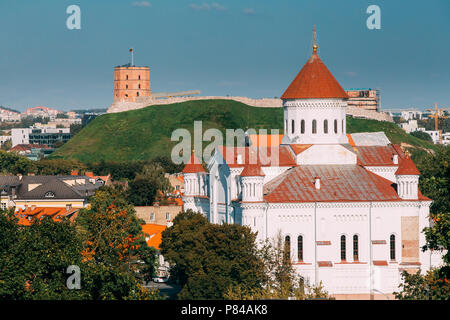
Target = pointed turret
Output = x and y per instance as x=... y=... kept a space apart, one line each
x=407 y=177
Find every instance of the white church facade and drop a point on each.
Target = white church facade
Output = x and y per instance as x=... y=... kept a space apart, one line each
x=348 y=205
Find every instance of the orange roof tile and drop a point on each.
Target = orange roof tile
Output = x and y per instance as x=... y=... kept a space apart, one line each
x=265 y=140
x=299 y=148
x=154 y=233
x=252 y=170
x=376 y=155
x=26 y=216
x=247 y=154
x=407 y=167
x=193 y=166
x=339 y=183
x=314 y=81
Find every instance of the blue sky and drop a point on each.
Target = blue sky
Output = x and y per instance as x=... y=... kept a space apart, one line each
x=238 y=47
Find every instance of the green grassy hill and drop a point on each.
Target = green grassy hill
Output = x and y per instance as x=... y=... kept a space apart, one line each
x=145 y=133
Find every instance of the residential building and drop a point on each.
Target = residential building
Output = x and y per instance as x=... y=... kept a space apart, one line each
x=347 y=206
x=39 y=135
x=32 y=151
x=47 y=191
x=156 y=214
x=41 y=111
x=409 y=126
x=9 y=115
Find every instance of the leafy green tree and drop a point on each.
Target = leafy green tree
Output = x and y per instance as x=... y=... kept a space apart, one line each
x=149 y=185
x=113 y=234
x=13 y=163
x=208 y=258
x=34 y=259
x=58 y=166
x=434 y=181
x=434 y=285
x=281 y=281
x=7 y=145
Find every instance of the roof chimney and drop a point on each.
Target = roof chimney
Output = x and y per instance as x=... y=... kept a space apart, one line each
x=317 y=183
x=395 y=158
x=239 y=159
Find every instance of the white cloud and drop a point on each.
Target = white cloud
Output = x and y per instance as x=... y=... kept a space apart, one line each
x=351 y=73
x=249 y=11
x=207 y=6
x=141 y=4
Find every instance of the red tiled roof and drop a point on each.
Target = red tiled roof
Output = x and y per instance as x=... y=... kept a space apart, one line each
x=262 y=156
x=339 y=183
x=154 y=233
x=27 y=147
x=407 y=167
x=265 y=140
x=26 y=216
x=252 y=170
x=299 y=148
x=314 y=81
x=376 y=155
x=193 y=166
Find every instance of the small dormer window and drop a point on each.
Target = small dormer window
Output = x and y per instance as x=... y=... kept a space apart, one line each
x=49 y=194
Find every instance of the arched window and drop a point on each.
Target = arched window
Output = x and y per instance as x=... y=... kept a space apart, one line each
x=302 y=126
x=314 y=126
x=287 y=247
x=392 y=247
x=325 y=126
x=300 y=248
x=293 y=126
x=139 y=86
x=343 y=248
x=355 y=248
x=335 y=126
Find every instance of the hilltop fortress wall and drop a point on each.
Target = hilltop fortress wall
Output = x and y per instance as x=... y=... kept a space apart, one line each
x=142 y=102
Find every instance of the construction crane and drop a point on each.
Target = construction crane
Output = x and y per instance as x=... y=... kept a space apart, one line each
x=437 y=114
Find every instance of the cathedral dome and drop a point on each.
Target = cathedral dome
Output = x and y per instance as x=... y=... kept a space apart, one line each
x=314 y=81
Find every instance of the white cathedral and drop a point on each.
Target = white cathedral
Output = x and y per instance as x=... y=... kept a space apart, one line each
x=347 y=205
